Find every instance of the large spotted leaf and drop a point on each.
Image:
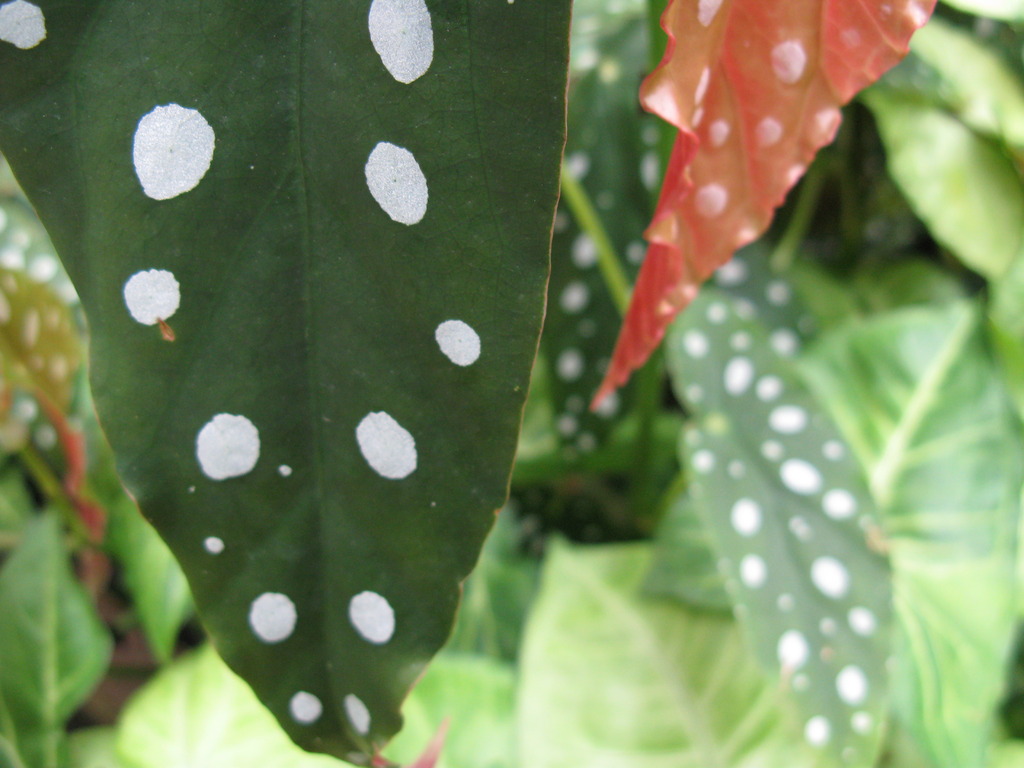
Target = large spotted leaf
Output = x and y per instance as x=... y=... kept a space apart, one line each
x=311 y=240
x=791 y=516
x=754 y=87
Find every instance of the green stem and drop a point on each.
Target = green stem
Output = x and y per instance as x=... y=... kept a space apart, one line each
x=648 y=404
x=588 y=220
x=52 y=488
x=800 y=222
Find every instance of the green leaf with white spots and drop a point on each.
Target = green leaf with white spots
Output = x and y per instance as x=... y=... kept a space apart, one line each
x=612 y=678
x=198 y=714
x=340 y=212
x=789 y=509
x=608 y=158
x=920 y=400
x=53 y=646
x=40 y=346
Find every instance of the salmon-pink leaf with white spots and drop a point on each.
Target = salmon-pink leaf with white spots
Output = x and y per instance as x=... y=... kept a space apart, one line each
x=311 y=239
x=755 y=88
x=790 y=512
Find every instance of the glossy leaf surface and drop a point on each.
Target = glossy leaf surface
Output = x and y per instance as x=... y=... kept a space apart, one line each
x=53 y=646
x=919 y=399
x=676 y=688
x=311 y=239
x=792 y=518
x=754 y=87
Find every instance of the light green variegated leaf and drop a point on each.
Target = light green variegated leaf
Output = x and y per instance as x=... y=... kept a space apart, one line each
x=93 y=748
x=198 y=714
x=611 y=678
x=961 y=184
x=791 y=515
x=311 y=239
x=919 y=398
x=53 y=647
x=476 y=696
x=1008 y=10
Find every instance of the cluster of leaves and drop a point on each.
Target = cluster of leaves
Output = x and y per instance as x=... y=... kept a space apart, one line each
x=791 y=541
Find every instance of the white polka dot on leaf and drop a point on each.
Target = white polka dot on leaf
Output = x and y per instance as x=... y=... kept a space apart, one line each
x=272 y=617
x=830 y=577
x=793 y=650
x=228 y=446
x=753 y=571
x=739 y=373
x=357 y=714
x=789 y=60
x=173 y=150
x=839 y=504
x=387 y=446
x=852 y=685
x=403 y=37
x=801 y=477
x=372 y=616
x=818 y=731
x=458 y=341
x=152 y=295
x=397 y=183
x=22 y=24
x=746 y=516
x=305 y=708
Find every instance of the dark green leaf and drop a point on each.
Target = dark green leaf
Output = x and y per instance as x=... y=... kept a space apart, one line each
x=306 y=198
x=791 y=514
x=919 y=397
x=53 y=646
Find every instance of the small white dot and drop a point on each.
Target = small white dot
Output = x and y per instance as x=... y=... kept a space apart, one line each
x=718 y=133
x=769 y=388
x=862 y=621
x=839 y=504
x=778 y=293
x=372 y=616
x=788 y=419
x=786 y=602
x=707 y=10
x=818 y=731
x=272 y=617
x=387 y=446
x=785 y=342
x=172 y=151
x=696 y=344
x=609 y=406
x=739 y=373
x=789 y=60
x=861 y=722
x=793 y=650
x=458 y=341
x=22 y=24
x=800 y=476
x=711 y=200
x=733 y=272
x=584 y=251
x=736 y=469
x=401 y=33
x=213 y=545
x=833 y=450
x=575 y=297
x=746 y=517
x=650 y=170
x=741 y=341
x=397 y=183
x=830 y=577
x=852 y=685
x=768 y=132
x=358 y=714
x=703 y=461
x=567 y=425
x=717 y=313
x=799 y=528
x=577 y=164
x=570 y=365
x=753 y=571
x=43 y=268
x=828 y=627
x=227 y=446
x=284 y=470
x=772 y=450
x=305 y=708
x=152 y=295
x=694 y=393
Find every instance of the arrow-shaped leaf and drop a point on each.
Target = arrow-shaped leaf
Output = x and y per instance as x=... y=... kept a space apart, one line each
x=754 y=87
x=311 y=239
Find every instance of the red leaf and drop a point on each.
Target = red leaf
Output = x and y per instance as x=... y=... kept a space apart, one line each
x=754 y=87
